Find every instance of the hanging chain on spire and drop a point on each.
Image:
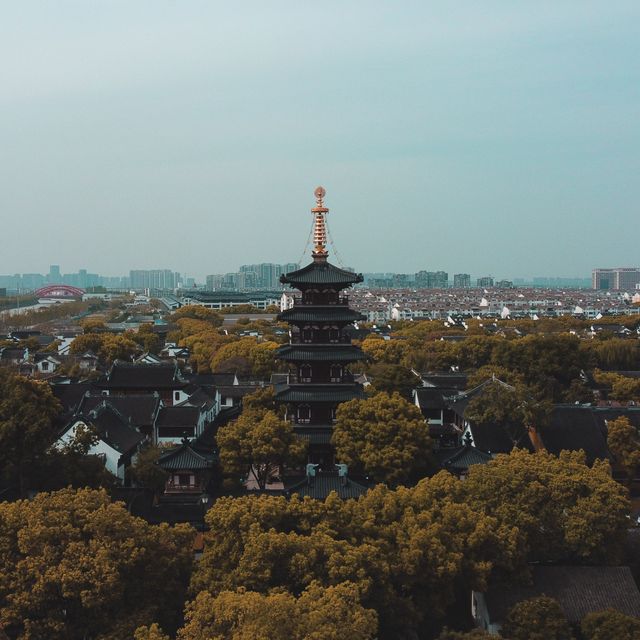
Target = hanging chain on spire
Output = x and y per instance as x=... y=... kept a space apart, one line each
x=306 y=246
x=333 y=248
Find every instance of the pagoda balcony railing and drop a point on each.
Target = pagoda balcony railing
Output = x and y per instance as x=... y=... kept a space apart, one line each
x=346 y=378
x=340 y=300
x=297 y=339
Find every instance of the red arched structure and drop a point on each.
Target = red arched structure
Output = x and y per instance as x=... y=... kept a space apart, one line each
x=63 y=291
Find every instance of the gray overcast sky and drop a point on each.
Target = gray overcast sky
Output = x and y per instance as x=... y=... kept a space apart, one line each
x=482 y=137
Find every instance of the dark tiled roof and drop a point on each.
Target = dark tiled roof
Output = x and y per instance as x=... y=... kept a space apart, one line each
x=495 y=438
x=8 y=353
x=147 y=376
x=113 y=428
x=237 y=390
x=324 y=353
x=434 y=398
x=70 y=395
x=181 y=416
x=186 y=457
x=579 y=590
x=574 y=427
x=463 y=457
x=604 y=414
x=318 y=393
x=321 y=273
x=323 y=484
x=213 y=379
x=141 y=409
x=449 y=380
x=320 y=314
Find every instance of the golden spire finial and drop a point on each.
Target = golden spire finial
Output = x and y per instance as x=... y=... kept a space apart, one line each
x=319 y=230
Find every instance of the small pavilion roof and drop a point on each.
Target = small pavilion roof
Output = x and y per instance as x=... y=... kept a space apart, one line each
x=187 y=457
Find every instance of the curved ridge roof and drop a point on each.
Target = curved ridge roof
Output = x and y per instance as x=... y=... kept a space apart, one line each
x=321 y=272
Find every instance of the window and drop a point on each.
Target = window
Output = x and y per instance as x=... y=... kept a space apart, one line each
x=335 y=373
x=334 y=334
x=45 y=366
x=305 y=373
x=307 y=334
x=304 y=413
x=176 y=395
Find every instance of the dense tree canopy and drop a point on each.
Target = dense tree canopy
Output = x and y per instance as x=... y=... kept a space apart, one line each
x=538 y=618
x=563 y=509
x=624 y=444
x=383 y=436
x=609 y=624
x=75 y=566
x=27 y=409
x=258 y=444
x=510 y=408
x=408 y=551
x=319 y=613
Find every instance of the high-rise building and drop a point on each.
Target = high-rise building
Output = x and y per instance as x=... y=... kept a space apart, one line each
x=54 y=274
x=485 y=281
x=162 y=279
x=619 y=279
x=461 y=280
x=432 y=279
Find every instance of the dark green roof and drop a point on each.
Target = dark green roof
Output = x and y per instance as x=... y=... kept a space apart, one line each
x=321 y=273
x=464 y=457
x=320 y=353
x=328 y=313
x=187 y=458
x=319 y=393
x=323 y=484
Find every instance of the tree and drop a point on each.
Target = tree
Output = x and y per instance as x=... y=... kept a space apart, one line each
x=563 y=509
x=146 y=472
x=492 y=371
x=70 y=465
x=319 y=613
x=624 y=444
x=538 y=618
x=259 y=444
x=604 y=625
x=73 y=565
x=107 y=346
x=27 y=410
x=510 y=408
x=408 y=551
x=148 y=340
x=153 y=632
x=393 y=377
x=384 y=436
x=262 y=399
x=93 y=325
x=197 y=312
x=247 y=354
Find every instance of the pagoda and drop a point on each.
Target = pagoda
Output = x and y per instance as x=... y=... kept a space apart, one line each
x=320 y=351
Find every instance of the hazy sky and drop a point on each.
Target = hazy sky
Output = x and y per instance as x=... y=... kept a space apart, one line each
x=485 y=137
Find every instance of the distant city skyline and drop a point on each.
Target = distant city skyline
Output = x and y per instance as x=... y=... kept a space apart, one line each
x=265 y=276
x=494 y=138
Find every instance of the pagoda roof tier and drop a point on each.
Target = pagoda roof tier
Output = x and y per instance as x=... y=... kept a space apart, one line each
x=320 y=353
x=324 y=313
x=320 y=272
x=318 y=393
x=317 y=434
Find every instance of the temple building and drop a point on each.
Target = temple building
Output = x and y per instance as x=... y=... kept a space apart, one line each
x=320 y=351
